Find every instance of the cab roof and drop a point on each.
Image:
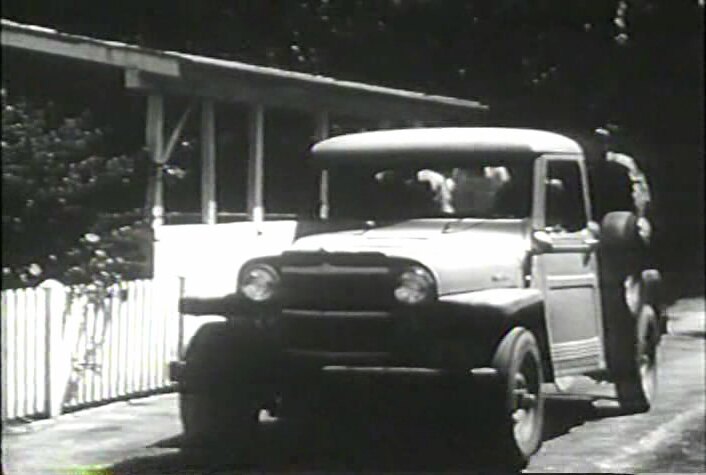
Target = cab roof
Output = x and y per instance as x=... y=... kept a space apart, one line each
x=445 y=142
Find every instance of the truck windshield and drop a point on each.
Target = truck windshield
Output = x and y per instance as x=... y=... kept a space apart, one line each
x=476 y=190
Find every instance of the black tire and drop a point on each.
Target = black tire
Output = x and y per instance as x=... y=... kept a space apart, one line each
x=218 y=422
x=636 y=380
x=518 y=411
x=222 y=392
x=622 y=251
x=619 y=230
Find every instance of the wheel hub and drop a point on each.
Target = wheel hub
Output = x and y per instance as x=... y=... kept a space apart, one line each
x=524 y=406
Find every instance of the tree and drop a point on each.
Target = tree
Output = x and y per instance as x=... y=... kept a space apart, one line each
x=637 y=64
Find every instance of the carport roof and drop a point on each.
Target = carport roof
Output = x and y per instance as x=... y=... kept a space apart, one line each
x=186 y=74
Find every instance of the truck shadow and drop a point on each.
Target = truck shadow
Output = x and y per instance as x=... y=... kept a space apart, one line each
x=414 y=443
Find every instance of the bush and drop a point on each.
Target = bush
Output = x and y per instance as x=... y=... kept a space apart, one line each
x=70 y=211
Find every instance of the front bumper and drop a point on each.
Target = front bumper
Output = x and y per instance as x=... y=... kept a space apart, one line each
x=445 y=334
x=176 y=371
x=207 y=305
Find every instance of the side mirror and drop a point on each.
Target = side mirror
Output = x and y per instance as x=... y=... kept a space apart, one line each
x=541 y=242
x=595 y=239
x=595 y=229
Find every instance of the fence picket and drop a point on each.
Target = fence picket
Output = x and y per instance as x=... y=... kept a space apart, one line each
x=124 y=312
x=12 y=353
x=112 y=344
x=144 y=324
x=158 y=307
x=151 y=341
x=161 y=311
x=40 y=349
x=90 y=353
x=98 y=344
x=29 y=317
x=77 y=385
x=107 y=375
x=144 y=347
x=133 y=340
x=21 y=361
x=4 y=331
x=139 y=338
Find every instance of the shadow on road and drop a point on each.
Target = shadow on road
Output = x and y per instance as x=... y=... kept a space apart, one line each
x=414 y=442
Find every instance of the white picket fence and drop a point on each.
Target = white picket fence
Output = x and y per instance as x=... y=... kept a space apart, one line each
x=61 y=350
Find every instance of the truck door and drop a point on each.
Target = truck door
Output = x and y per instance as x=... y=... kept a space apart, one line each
x=565 y=267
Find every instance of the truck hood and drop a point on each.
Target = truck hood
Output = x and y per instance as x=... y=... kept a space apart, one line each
x=463 y=254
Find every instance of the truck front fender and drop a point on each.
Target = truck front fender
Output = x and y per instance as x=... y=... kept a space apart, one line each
x=493 y=312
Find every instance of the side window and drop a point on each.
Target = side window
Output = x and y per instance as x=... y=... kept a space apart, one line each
x=565 y=207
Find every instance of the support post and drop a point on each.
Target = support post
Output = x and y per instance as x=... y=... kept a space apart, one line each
x=256 y=166
x=209 y=210
x=155 y=143
x=321 y=133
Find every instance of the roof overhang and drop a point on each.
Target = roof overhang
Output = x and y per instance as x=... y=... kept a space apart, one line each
x=200 y=76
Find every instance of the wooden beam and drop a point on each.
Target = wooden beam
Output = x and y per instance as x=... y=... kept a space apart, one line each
x=321 y=133
x=55 y=43
x=209 y=207
x=256 y=167
x=154 y=138
x=303 y=96
x=176 y=134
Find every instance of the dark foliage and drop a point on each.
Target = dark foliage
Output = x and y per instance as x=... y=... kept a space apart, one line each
x=582 y=64
x=66 y=206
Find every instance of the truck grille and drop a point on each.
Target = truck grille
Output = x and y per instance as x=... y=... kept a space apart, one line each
x=331 y=288
x=335 y=304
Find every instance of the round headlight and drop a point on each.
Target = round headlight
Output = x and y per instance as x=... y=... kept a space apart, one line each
x=259 y=282
x=415 y=285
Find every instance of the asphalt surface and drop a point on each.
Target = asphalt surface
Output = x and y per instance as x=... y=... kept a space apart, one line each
x=585 y=432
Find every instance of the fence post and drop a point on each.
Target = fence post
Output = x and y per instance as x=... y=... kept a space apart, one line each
x=55 y=303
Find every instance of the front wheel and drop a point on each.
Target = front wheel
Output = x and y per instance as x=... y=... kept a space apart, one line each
x=519 y=409
x=214 y=421
x=222 y=391
x=636 y=382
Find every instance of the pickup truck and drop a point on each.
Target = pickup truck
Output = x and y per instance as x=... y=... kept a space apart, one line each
x=488 y=260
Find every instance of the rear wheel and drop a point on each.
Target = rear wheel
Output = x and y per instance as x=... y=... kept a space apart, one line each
x=518 y=412
x=636 y=381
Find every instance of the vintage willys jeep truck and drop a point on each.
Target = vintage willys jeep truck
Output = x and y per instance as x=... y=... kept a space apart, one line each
x=445 y=254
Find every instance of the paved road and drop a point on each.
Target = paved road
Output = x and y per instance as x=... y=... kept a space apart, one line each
x=585 y=434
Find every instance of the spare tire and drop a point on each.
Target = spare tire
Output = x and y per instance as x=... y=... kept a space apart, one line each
x=619 y=230
x=622 y=251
